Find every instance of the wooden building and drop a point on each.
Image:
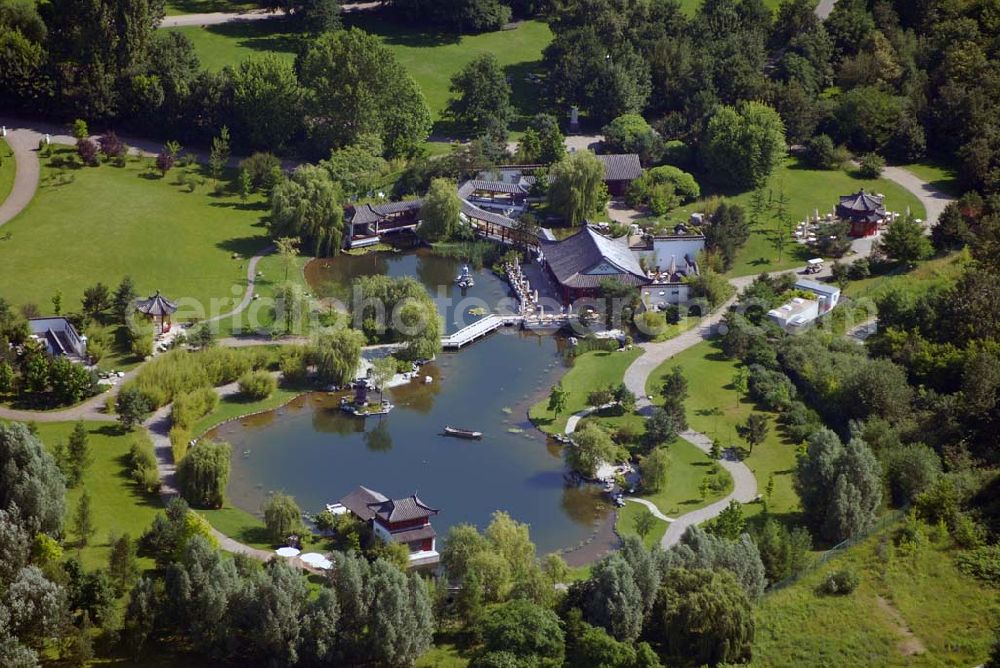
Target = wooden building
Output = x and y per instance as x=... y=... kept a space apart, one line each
x=579 y=263
x=863 y=211
x=405 y=521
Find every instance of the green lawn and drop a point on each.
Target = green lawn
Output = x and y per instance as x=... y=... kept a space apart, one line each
x=950 y=614
x=713 y=409
x=99 y=224
x=806 y=190
x=430 y=57
x=688 y=466
x=941 y=176
x=175 y=7
x=591 y=371
x=7 y=169
x=233 y=407
x=117 y=505
x=690 y=7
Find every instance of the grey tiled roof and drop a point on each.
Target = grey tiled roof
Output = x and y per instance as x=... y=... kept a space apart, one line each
x=402 y=510
x=370 y=213
x=621 y=166
x=570 y=258
x=420 y=533
x=360 y=501
x=473 y=211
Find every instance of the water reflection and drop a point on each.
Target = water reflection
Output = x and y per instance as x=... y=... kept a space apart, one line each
x=317 y=453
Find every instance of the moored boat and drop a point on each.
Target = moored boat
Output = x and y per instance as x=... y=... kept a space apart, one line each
x=463 y=433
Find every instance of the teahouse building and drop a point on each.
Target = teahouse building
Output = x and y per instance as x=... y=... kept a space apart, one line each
x=405 y=521
x=863 y=211
x=158 y=309
x=579 y=263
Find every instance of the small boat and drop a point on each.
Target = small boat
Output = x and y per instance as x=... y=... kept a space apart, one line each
x=463 y=433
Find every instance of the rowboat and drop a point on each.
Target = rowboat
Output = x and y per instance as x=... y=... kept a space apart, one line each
x=463 y=433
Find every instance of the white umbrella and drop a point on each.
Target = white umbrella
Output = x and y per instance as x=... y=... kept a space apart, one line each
x=314 y=559
x=287 y=552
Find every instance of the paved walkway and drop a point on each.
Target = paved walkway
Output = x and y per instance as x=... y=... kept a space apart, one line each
x=28 y=171
x=652 y=508
x=217 y=18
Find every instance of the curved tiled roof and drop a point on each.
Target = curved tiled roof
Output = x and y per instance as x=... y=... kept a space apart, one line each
x=861 y=206
x=621 y=166
x=571 y=259
x=157 y=305
x=402 y=510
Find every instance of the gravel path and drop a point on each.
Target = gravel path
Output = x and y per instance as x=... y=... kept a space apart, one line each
x=24 y=145
x=217 y=18
x=652 y=508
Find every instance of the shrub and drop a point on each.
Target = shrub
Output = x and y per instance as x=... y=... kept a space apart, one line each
x=189 y=407
x=872 y=165
x=859 y=269
x=293 y=365
x=87 y=149
x=264 y=170
x=981 y=562
x=142 y=463
x=179 y=439
x=257 y=385
x=819 y=152
x=840 y=583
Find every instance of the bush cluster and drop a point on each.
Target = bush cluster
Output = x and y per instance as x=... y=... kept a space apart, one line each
x=257 y=385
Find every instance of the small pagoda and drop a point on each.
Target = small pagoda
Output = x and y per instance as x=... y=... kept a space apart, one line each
x=157 y=309
x=863 y=211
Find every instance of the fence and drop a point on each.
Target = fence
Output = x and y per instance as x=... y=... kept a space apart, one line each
x=887 y=520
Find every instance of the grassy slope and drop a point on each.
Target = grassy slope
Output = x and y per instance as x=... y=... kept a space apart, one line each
x=109 y=221
x=431 y=58
x=941 y=176
x=950 y=613
x=116 y=504
x=712 y=408
x=7 y=170
x=590 y=371
x=806 y=190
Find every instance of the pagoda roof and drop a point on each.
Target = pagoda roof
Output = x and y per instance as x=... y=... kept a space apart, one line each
x=157 y=305
x=861 y=206
x=402 y=510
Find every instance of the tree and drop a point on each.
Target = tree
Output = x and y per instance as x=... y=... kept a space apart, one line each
x=383 y=371
x=739 y=382
x=79 y=453
x=338 y=356
x=866 y=117
x=727 y=232
x=96 y=300
x=784 y=553
x=140 y=615
x=643 y=522
x=282 y=517
x=132 y=406
x=904 y=240
x=439 y=214
x=267 y=101
x=577 y=188
x=30 y=480
x=701 y=549
x=480 y=101
x=527 y=631
x=123 y=563
x=630 y=133
x=355 y=86
x=57 y=302
x=203 y=474
x=460 y=545
x=33 y=611
x=557 y=400
x=820 y=152
x=400 y=622
x=743 y=146
x=552 y=143
x=612 y=599
x=654 y=469
x=358 y=168
x=706 y=617
x=308 y=205
x=754 y=430
x=218 y=155
x=83 y=519
x=124 y=299
x=591 y=447
x=840 y=486
x=730 y=523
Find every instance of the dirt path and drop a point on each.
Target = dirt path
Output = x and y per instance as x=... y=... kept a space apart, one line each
x=909 y=644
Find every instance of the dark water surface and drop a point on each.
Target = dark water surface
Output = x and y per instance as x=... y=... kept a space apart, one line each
x=315 y=452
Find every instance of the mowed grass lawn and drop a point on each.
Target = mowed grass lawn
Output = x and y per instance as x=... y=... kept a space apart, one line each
x=431 y=58
x=590 y=371
x=952 y=616
x=691 y=7
x=681 y=493
x=117 y=505
x=805 y=190
x=713 y=408
x=175 y=7
x=102 y=223
x=7 y=169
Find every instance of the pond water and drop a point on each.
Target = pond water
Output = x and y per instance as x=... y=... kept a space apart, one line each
x=312 y=450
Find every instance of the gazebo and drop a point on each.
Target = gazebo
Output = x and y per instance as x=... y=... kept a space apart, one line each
x=863 y=211
x=157 y=307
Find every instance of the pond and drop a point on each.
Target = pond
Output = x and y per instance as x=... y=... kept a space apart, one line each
x=312 y=450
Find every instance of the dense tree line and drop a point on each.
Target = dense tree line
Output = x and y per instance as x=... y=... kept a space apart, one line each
x=106 y=62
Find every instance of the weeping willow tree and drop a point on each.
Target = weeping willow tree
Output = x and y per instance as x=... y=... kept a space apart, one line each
x=308 y=205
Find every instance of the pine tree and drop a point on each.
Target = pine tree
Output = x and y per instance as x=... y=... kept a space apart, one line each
x=83 y=521
x=78 y=454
